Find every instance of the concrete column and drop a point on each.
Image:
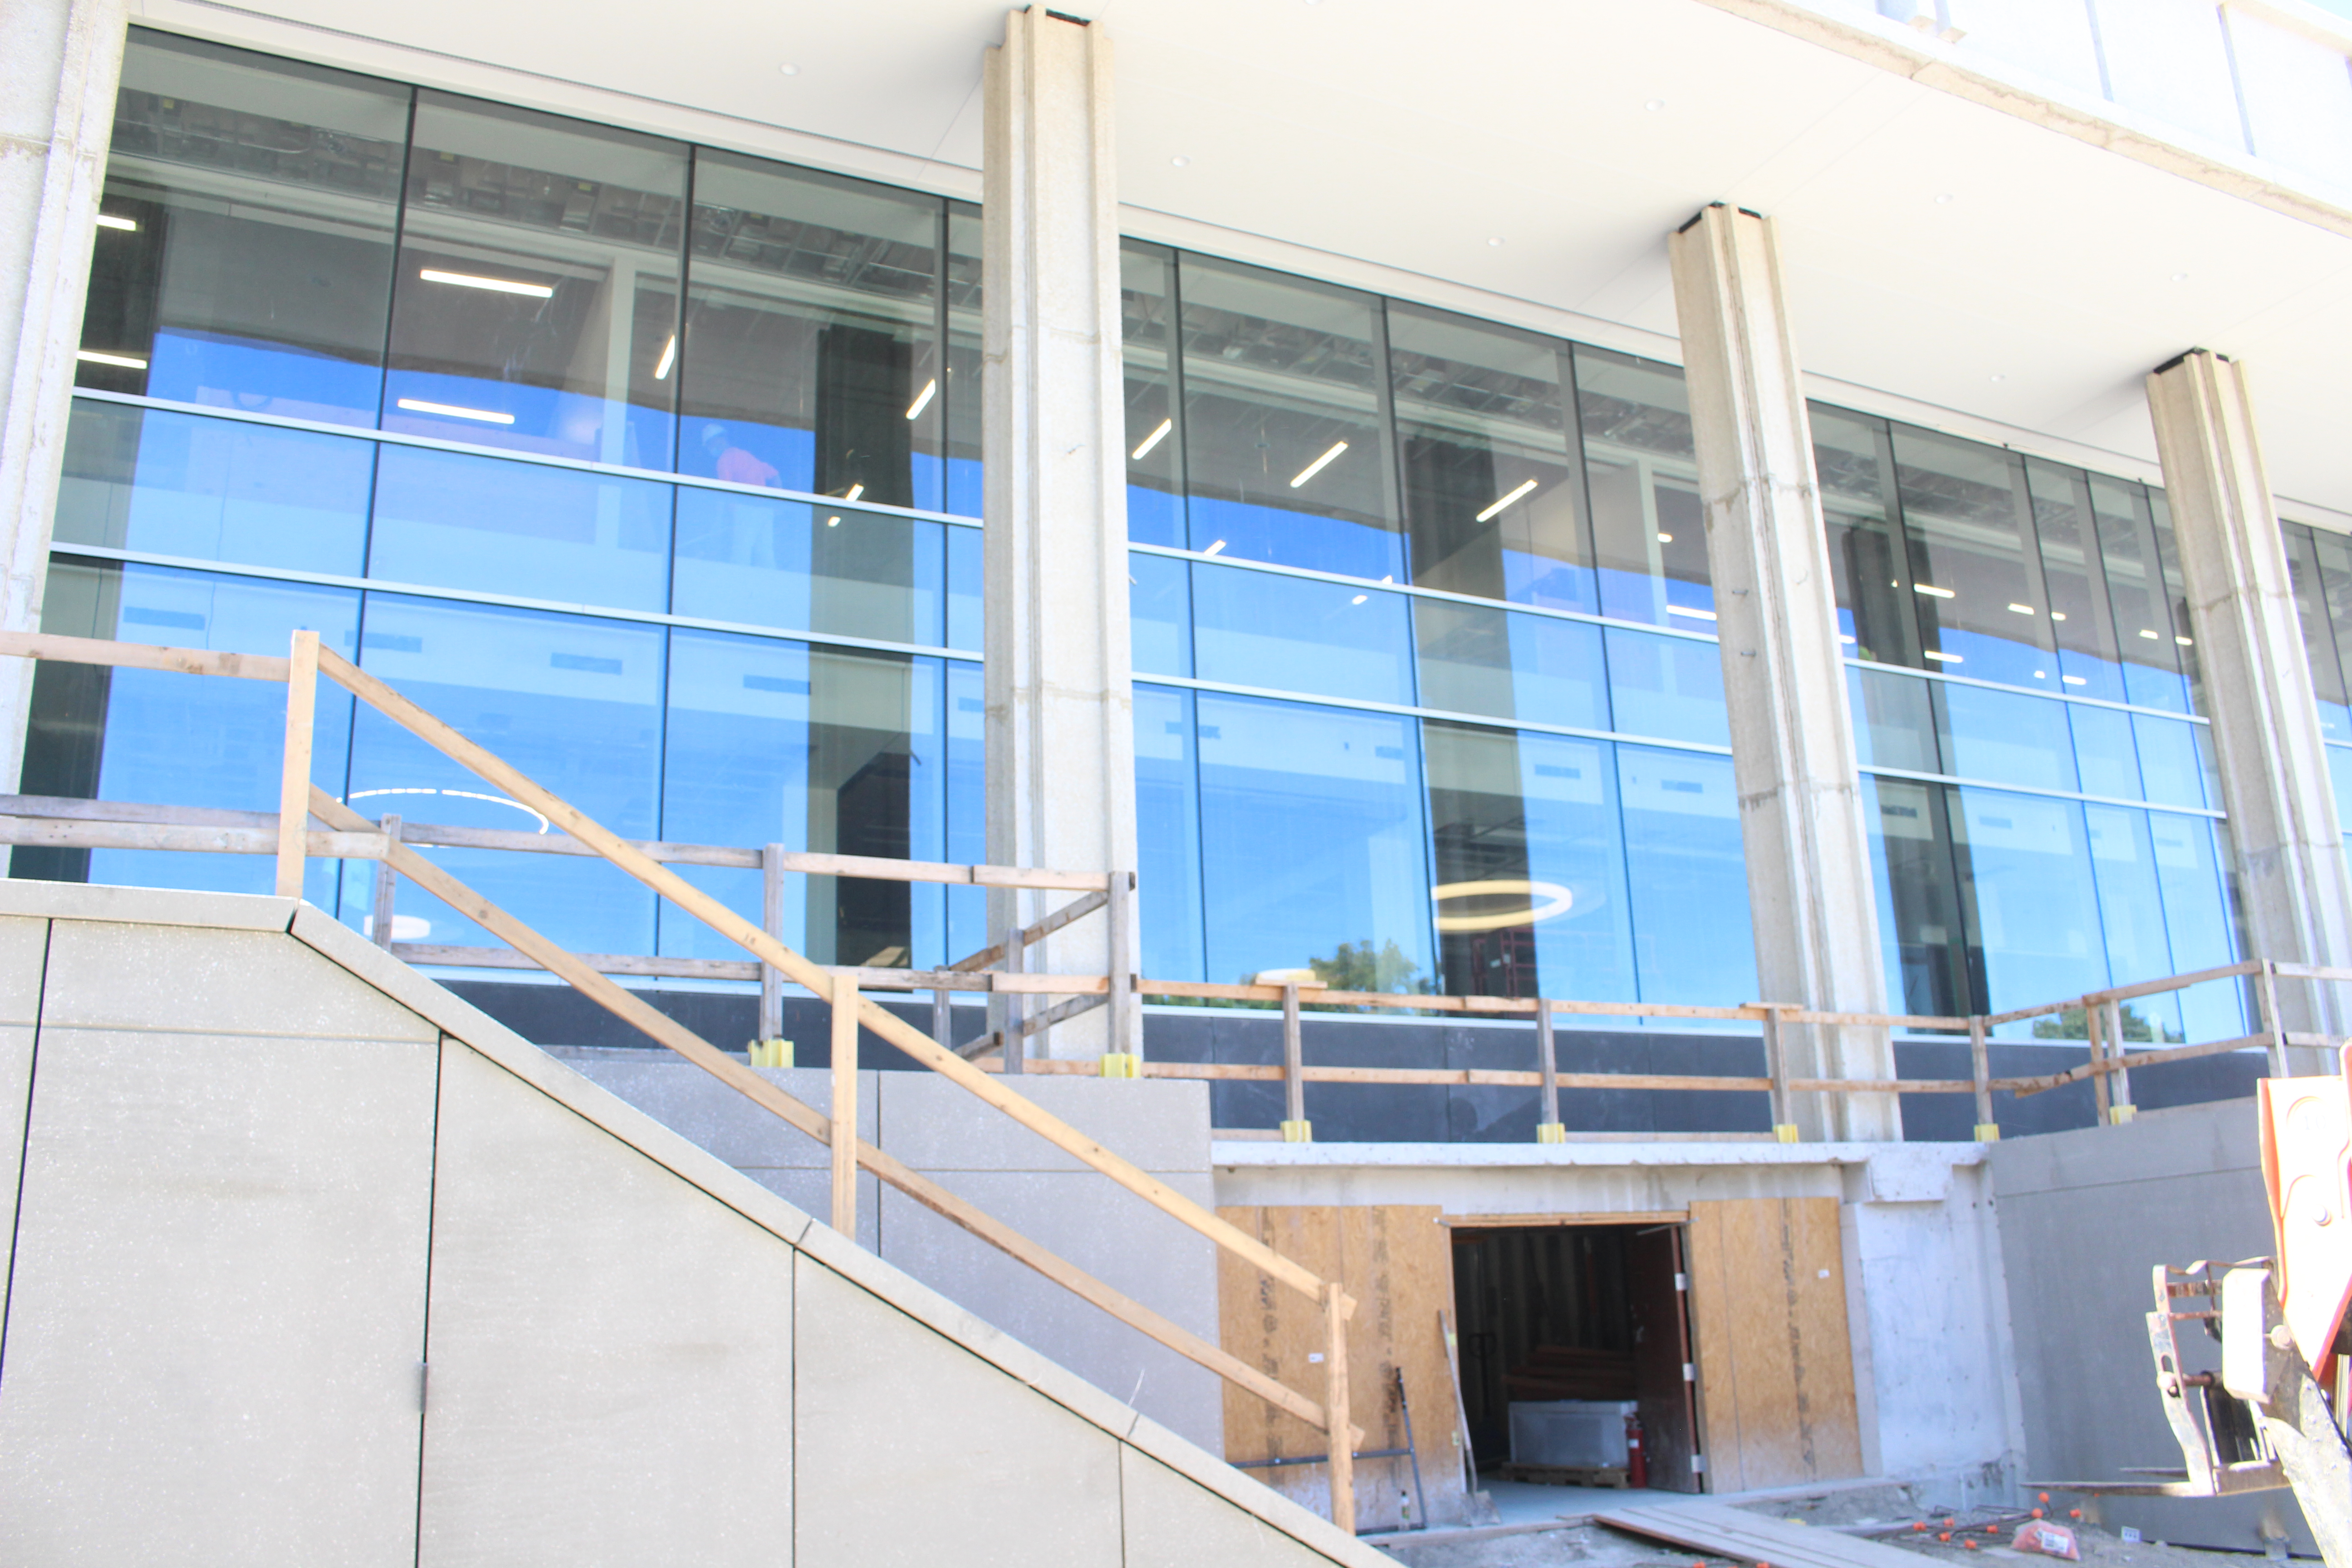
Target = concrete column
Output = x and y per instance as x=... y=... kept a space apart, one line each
x=2295 y=887
x=58 y=77
x=1061 y=727
x=1809 y=885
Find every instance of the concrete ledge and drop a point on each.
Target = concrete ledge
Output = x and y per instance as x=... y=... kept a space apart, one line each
x=1237 y=1152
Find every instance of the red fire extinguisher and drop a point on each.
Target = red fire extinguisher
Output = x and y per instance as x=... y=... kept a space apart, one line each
x=1637 y=1463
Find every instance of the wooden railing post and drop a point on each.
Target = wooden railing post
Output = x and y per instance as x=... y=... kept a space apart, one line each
x=844 y=1105
x=1338 y=1424
x=2119 y=1096
x=1296 y=1128
x=387 y=881
x=771 y=920
x=1549 y=1129
x=1980 y=1069
x=2094 y=1027
x=2272 y=1024
x=294 y=780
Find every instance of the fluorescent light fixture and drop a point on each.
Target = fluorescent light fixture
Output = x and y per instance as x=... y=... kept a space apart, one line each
x=1317 y=467
x=833 y=522
x=1693 y=615
x=1517 y=490
x=1946 y=657
x=2184 y=642
x=1153 y=439
x=451 y=411
x=495 y=285
x=108 y=220
x=855 y=490
x=2057 y=615
x=1845 y=639
x=2040 y=675
x=1359 y=598
x=1932 y=591
x=668 y=360
x=2021 y=609
x=923 y=398
x=2149 y=635
x=1666 y=539
x=2075 y=680
x=127 y=361
x=1214 y=548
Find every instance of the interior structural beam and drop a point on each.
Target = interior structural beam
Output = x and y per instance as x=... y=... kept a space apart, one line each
x=1812 y=899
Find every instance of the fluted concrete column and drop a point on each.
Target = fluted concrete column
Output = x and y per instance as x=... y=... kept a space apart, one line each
x=57 y=73
x=1809 y=886
x=2295 y=887
x=1061 y=727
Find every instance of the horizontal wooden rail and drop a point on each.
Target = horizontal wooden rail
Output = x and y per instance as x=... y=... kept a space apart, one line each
x=142 y=656
x=761 y=1091
x=365 y=846
x=748 y=935
x=2126 y=993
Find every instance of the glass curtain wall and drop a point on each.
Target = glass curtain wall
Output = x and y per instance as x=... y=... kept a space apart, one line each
x=1428 y=695
x=2320 y=562
x=635 y=461
x=2039 y=791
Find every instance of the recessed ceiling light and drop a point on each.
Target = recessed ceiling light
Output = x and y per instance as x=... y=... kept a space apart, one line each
x=1999 y=378
x=2180 y=278
x=1944 y=199
x=1654 y=105
x=790 y=70
x=1180 y=160
x=1496 y=240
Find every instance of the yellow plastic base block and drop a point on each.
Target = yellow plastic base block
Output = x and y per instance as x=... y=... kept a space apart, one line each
x=1298 y=1132
x=1121 y=1064
x=2119 y=1114
x=1786 y=1132
x=1988 y=1132
x=771 y=1053
x=1552 y=1133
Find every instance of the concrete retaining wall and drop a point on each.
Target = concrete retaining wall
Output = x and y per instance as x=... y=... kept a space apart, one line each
x=313 y=1264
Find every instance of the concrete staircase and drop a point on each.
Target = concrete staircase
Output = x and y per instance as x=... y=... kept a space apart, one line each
x=314 y=1264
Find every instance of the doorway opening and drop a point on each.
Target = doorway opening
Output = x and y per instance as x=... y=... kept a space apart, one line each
x=1566 y=1320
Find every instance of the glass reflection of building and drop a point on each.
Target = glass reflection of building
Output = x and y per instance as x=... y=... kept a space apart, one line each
x=655 y=468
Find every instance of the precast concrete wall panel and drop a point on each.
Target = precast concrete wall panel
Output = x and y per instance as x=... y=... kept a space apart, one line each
x=909 y=1450
x=24 y=946
x=602 y=1389
x=218 y=1313
x=1168 y=1521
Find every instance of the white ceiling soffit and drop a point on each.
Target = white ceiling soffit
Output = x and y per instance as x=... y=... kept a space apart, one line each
x=1396 y=140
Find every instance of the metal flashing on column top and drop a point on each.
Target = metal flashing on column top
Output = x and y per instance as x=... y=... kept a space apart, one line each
x=2184 y=357
x=1065 y=16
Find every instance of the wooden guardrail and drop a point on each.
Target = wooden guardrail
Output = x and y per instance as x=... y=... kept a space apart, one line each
x=350 y=836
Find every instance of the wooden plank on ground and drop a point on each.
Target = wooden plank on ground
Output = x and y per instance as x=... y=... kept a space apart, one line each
x=1396 y=1261
x=1728 y=1531
x=1775 y=1364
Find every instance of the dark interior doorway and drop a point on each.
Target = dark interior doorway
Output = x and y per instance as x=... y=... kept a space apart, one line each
x=1582 y=1312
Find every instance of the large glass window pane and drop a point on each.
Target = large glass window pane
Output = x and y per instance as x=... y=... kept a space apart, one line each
x=2192 y=856
x=455 y=520
x=1312 y=844
x=1168 y=831
x=2079 y=622
x=963 y=360
x=536 y=301
x=1528 y=844
x=2136 y=593
x=1975 y=576
x=963 y=544
x=575 y=703
x=2319 y=650
x=1155 y=451
x=1284 y=447
x=967 y=726
x=1508 y=666
x=2131 y=910
x=811 y=335
x=243 y=251
x=1296 y=634
x=808 y=567
x=2176 y=596
x=822 y=751
x=1161 y=616
x=1669 y=688
x=176 y=484
x=1649 y=532
x=1920 y=931
x=1875 y=619
x=2105 y=754
x=1490 y=493
x=2333 y=553
x=1893 y=720
x=2339 y=774
x=2172 y=766
x=2003 y=737
x=2027 y=882
x=150 y=736
x=1692 y=939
